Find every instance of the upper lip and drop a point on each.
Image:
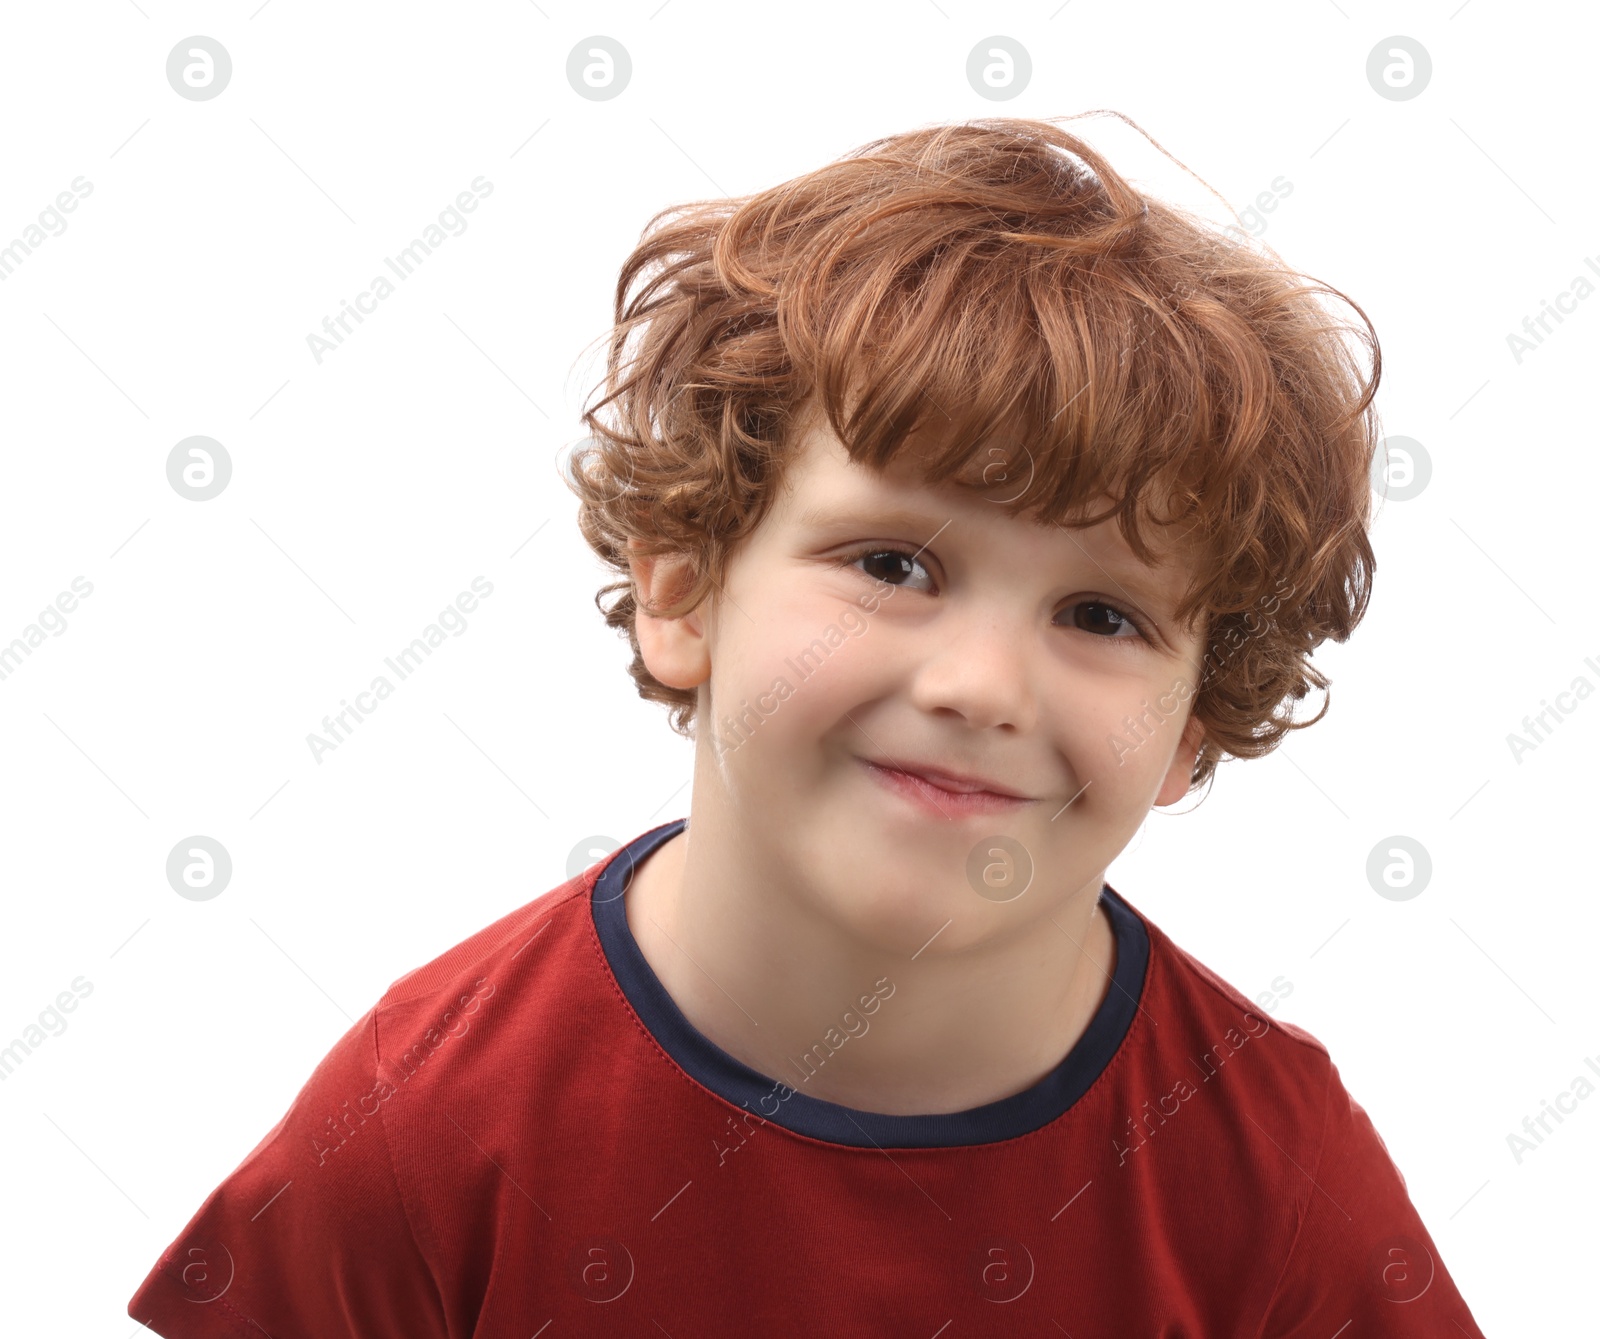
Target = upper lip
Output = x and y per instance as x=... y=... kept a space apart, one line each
x=959 y=782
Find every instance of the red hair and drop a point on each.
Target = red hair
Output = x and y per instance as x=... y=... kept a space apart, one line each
x=989 y=286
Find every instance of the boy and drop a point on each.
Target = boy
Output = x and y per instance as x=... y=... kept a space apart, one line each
x=870 y=1047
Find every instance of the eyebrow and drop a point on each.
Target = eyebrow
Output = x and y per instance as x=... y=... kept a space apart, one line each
x=860 y=513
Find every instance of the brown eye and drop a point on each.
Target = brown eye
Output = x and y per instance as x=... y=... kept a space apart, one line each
x=1105 y=621
x=891 y=566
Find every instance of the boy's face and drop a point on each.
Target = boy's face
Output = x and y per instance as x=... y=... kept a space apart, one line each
x=873 y=619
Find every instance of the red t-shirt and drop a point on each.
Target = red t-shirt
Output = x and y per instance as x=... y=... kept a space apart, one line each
x=527 y=1130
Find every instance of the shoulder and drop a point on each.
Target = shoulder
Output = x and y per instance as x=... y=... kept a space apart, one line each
x=1353 y=1243
x=498 y=944
x=439 y=1026
x=1199 y=995
x=499 y=989
x=1273 y=1080
x=487 y=960
x=340 y=1220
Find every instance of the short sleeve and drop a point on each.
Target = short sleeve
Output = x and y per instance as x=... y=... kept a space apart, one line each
x=1362 y=1262
x=309 y=1236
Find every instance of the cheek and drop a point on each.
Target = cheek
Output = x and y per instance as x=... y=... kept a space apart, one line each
x=1118 y=743
x=786 y=678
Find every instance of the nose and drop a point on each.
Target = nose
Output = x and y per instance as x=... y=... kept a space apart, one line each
x=978 y=663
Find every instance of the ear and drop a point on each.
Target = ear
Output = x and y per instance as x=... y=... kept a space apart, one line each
x=675 y=650
x=1175 y=785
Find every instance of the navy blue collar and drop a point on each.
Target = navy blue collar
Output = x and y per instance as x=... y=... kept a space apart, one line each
x=784 y=1105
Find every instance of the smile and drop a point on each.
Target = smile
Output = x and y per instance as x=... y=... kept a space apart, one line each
x=936 y=800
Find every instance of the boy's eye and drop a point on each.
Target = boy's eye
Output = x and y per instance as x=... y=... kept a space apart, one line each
x=887 y=565
x=1116 y=625
x=893 y=566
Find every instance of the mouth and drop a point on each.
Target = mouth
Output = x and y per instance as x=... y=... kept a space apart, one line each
x=943 y=793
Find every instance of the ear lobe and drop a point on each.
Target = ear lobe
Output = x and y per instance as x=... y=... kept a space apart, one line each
x=1175 y=785
x=675 y=650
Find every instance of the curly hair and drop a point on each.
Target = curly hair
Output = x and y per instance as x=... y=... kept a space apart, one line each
x=998 y=280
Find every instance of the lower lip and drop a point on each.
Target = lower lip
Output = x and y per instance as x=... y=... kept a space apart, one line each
x=938 y=801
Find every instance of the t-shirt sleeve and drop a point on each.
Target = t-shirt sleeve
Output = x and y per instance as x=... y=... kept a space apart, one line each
x=1362 y=1263
x=309 y=1236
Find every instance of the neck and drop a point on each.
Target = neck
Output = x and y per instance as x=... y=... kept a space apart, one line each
x=779 y=986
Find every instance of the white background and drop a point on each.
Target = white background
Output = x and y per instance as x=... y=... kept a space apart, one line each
x=369 y=490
